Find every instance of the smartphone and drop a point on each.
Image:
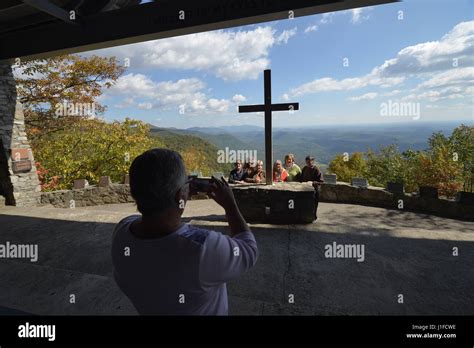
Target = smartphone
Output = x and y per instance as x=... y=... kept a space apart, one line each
x=200 y=185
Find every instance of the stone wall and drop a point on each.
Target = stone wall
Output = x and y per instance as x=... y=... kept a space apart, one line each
x=90 y=196
x=271 y=204
x=282 y=203
x=379 y=197
x=21 y=189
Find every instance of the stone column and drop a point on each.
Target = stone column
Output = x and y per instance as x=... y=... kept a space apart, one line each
x=19 y=188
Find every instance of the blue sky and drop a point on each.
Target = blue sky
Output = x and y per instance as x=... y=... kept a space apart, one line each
x=421 y=56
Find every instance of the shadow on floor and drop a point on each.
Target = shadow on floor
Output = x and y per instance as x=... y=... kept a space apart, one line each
x=292 y=261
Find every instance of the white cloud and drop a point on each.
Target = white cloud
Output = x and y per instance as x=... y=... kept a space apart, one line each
x=419 y=61
x=446 y=66
x=135 y=84
x=392 y=93
x=367 y=96
x=218 y=105
x=238 y=98
x=147 y=94
x=457 y=106
x=19 y=73
x=452 y=84
x=286 y=35
x=127 y=102
x=327 y=17
x=452 y=77
x=452 y=92
x=454 y=48
x=229 y=55
x=357 y=15
x=145 y=106
x=328 y=84
x=311 y=28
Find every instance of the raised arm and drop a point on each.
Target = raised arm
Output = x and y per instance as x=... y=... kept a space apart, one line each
x=223 y=196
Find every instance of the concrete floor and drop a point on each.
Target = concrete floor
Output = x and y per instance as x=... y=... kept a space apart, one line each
x=405 y=253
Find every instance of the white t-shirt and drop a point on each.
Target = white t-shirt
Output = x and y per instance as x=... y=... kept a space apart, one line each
x=183 y=273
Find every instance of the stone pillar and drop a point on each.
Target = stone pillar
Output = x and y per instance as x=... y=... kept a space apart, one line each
x=19 y=187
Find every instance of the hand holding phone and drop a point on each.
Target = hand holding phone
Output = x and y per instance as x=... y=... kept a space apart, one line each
x=222 y=194
x=200 y=185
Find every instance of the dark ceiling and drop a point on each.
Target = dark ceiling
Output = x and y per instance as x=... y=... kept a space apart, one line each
x=17 y=14
x=32 y=29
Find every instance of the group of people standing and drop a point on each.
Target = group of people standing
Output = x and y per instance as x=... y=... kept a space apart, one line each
x=287 y=171
x=246 y=173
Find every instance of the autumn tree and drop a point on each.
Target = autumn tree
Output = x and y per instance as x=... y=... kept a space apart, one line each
x=448 y=163
x=50 y=89
x=460 y=145
x=436 y=168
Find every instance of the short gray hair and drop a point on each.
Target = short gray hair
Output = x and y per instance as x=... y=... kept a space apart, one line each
x=155 y=177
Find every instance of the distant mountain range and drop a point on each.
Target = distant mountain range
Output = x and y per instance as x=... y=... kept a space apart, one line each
x=200 y=155
x=323 y=142
x=228 y=129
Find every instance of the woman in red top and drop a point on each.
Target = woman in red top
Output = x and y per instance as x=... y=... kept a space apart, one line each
x=279 y=173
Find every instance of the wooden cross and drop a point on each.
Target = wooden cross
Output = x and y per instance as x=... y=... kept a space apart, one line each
x=268 y=107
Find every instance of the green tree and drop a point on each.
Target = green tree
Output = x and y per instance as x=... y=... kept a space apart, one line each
x=462 y=145
x=89 y=149
x=197 y=153
x=447 y=164
x=355 y=166
x=388 y=164
x=411 y=163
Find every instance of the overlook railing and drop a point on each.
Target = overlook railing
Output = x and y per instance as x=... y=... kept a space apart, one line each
x=357 y=192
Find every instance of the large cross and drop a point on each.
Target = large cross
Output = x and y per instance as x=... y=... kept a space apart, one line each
x=268 y=107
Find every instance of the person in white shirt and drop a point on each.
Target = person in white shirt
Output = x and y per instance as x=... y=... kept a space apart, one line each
x=166 y=267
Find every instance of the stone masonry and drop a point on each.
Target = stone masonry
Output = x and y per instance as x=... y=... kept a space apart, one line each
x=282 y=203
x=272 y=204
x=21 y=189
